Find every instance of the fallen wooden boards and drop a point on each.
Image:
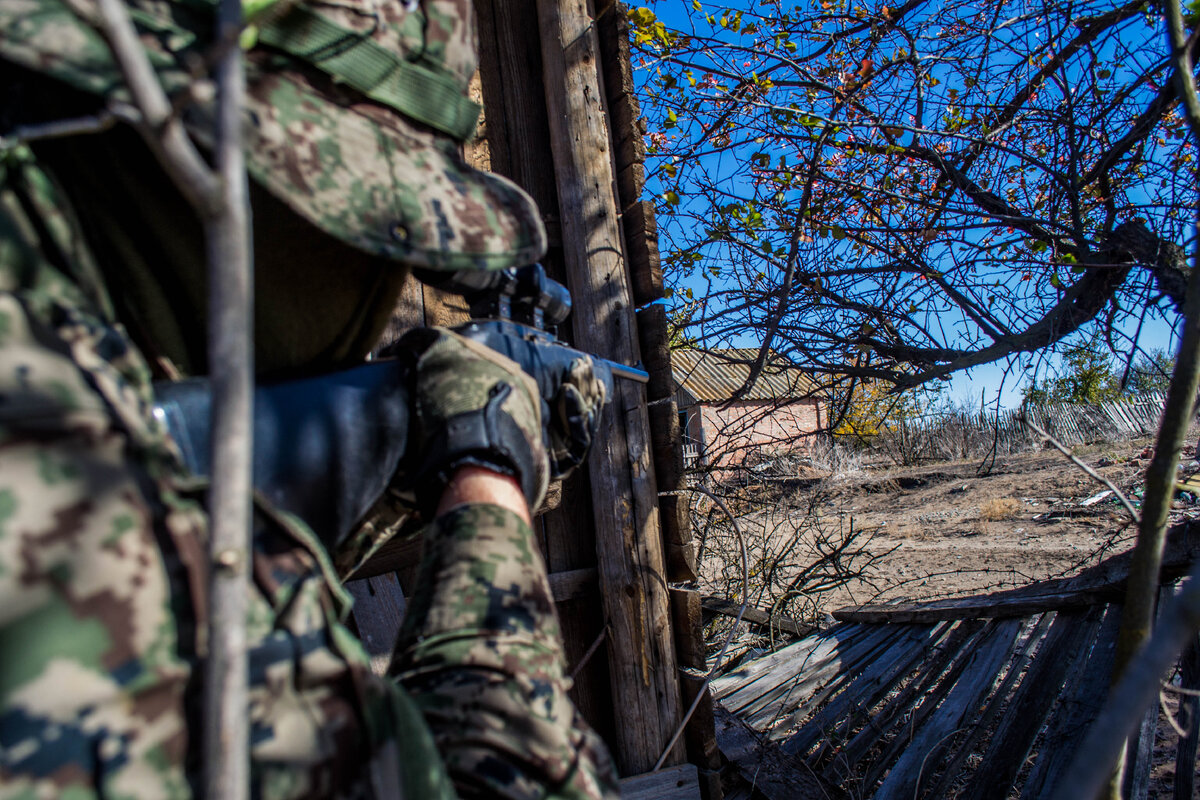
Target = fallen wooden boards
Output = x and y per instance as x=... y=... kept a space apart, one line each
x=967 y=708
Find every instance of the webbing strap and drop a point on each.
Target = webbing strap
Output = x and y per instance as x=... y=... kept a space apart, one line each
x=412 y=89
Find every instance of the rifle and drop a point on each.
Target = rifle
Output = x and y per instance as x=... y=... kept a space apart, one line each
x=326 y=447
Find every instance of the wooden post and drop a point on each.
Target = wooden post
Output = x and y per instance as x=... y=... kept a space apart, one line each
x=624 y=494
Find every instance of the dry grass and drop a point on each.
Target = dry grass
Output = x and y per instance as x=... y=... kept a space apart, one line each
x=999 y=508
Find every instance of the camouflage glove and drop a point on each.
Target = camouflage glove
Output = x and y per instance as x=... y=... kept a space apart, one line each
x=471 y=405
x=573 y=420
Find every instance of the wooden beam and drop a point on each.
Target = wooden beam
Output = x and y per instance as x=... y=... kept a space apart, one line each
x=673 y=783
x=624 y=493
x=667 y=447
x=754 y=616
x=566 y=585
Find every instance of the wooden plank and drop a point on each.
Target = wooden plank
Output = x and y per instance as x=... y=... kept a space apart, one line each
x=1078 y=705
x=946 y=655
x=952 y=773
x=1139 y=757
x=806 y=652
x=960 y=705
x=865 y=690
x=764 y=676
x=510 y=61
x=519 y=138
x=1063 y=647
x=585 y=637
x=847 y=673
x=930 y=700
x=996 y=606
x=401 y=553
x=690 y=648
x=681 y=782
x=408 y=313
x=758 y=617
x=832 y=737
x=775 y=775
x=1140 y=749
x=378 y=612
x=625 y=496
x=641 y=230
x=763 y=712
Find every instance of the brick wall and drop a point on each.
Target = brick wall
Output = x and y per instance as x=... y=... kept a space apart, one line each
x=728 y=433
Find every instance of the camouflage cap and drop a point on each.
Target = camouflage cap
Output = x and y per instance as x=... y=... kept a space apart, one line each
x=355 y=113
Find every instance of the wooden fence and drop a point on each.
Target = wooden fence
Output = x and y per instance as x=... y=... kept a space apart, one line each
x=964 y=434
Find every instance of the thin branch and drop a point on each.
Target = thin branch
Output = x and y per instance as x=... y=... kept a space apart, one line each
x=1062 y=448
x=221 y=199
x=160 y=127
x=231 y=365
x=56 y=129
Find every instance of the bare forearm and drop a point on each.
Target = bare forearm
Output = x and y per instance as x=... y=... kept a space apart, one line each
x=471 y=485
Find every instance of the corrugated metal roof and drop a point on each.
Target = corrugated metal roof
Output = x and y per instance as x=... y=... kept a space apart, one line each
x=714 y=375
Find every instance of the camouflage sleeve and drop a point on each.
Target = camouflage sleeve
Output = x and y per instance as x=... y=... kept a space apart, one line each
x=481 y=655
x=103 y=573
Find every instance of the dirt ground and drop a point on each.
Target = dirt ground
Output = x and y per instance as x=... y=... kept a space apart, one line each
x=948 y=530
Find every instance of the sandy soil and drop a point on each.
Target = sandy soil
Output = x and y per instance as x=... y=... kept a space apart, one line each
x=937 y=530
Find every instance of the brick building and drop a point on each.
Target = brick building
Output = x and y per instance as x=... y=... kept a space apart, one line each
x=782 y=412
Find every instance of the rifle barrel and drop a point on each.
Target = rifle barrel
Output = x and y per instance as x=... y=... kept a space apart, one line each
x=628 y=373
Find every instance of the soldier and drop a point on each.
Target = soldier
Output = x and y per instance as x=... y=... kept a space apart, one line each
x=355 y=112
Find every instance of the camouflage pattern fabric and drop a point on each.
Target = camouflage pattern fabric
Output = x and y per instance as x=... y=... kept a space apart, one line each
x=103 y=582
x=481 y=654
x=472 y=405
x=365 y=173
x=103 y=570
x=574 y=416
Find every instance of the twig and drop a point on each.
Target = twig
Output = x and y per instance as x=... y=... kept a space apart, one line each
x=1060 y=447
x=231 y=365
x=161 y=129
x=55 y=129
x=1170 y=717
x=591 y=651
x=221 y=199
x=732 y=630
x=1171 y=689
